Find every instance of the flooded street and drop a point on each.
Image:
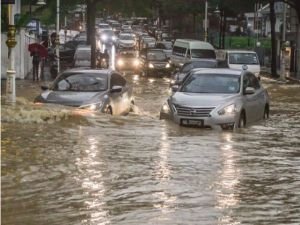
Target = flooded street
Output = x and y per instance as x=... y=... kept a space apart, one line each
x=136 y=169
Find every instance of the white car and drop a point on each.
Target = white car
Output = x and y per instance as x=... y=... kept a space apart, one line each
x=226 y=98
x=126 y=40
x=237 y=59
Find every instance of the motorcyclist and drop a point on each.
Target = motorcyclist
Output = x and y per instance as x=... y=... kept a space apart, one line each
x=105 y=56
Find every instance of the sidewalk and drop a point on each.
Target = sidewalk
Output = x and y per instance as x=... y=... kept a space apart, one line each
x=291 y=79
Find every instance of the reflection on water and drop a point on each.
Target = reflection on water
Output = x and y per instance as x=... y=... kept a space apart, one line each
x=89 y=168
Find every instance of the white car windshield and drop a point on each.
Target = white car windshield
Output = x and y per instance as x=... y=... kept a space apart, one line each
x=126 y=37
x=82 y=82
x=212 y=83
x=156 y=56
x=243 y=58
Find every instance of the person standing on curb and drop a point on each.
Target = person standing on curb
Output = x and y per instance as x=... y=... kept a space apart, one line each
x=35 y=64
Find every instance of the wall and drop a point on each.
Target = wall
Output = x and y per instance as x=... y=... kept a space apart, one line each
x=23 y=60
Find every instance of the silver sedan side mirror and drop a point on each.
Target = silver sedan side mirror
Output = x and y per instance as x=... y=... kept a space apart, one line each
x=249 y=91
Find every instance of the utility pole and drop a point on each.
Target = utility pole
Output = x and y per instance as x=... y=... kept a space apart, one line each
x=205 y=23
x=282 y=60
x=57 y=36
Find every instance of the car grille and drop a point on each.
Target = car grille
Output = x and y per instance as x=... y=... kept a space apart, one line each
x=193 y=112
x=160 y=66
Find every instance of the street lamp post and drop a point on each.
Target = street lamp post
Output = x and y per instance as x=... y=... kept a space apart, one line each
x=11 y=43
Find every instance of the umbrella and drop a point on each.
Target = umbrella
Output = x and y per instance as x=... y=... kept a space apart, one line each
x=42 y=51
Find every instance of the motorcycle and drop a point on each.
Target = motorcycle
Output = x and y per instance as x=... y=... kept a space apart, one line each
x=102 y=63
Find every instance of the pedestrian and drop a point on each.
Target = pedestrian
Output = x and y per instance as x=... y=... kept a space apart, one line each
x=35 y=64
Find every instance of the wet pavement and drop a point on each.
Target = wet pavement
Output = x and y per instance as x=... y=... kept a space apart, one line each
x=60 y=166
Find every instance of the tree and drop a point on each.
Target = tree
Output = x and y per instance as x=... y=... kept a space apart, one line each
x=273 y=39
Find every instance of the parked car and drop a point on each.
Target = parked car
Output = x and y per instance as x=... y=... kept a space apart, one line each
x=127 y=60
x=154 y=62
x=217 y=97
x=82 y=56
x=104 y=91
x=181 y=72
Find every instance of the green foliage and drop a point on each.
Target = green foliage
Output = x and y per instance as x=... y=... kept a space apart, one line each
x=237 y=42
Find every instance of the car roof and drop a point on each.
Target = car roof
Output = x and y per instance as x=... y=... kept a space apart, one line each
x=88 y=70
x=223 y=71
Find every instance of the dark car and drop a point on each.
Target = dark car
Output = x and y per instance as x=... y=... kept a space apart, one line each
x=99 y=90
x=154 y=62
x=127 y=61
x=108 y=37
x=188 y=66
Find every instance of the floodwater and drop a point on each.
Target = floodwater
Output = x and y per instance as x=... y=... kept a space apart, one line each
x=61 y=166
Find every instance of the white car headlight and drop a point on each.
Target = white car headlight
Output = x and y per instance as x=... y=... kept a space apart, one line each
x=165 y=108
x=93 y=106
x=151 y=65
x=168 y=65
x=230 y=109
x=104 y=37
x=114 y=38
x=120 y=62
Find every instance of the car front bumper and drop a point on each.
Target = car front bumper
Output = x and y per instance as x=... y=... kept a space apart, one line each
x=210 y=121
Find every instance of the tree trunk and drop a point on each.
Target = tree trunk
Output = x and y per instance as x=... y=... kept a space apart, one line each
x=91 y=34
x=273 y=40
x=298 y=51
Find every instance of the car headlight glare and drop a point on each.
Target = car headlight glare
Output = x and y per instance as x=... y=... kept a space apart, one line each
x=151 y=65
x=136 y=62
x=230 y=109
x=103 y=37
x=120 y=62
x=165 y=108
x=168 y=65
x=114 y=38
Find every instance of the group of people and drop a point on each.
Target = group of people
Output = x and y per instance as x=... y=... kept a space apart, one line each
x=38 y=60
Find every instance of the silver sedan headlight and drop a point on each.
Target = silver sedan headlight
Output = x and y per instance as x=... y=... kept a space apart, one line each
x=227 y=110
x=165 y=108
x=92 y=106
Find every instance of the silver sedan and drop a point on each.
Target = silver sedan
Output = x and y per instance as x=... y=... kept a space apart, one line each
x=98 y=90
x=217 y=97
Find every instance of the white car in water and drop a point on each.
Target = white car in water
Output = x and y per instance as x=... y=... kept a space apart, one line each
x=217 y=97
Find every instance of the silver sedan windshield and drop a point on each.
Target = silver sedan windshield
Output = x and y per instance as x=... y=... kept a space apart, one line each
x=212 y=83
x=82 y=83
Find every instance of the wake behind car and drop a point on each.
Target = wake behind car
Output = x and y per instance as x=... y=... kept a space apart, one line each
x=154 y=62
x=218 y=97
x=104 y=91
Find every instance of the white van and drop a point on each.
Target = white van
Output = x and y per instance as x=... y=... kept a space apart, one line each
x=185 y=50
x=237 y=59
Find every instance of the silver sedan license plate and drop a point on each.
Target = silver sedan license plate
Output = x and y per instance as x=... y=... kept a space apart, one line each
x=199 y=123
